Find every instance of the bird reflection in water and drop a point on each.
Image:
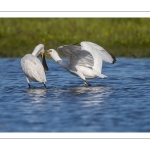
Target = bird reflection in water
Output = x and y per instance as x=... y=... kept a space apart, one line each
x=37 y=94
x=94 y=95
x=91 y=90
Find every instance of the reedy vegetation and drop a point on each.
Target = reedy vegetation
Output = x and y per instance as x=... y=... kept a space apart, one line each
x=124 y=37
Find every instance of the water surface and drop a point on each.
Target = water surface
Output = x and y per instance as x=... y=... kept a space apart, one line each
x=119 y=103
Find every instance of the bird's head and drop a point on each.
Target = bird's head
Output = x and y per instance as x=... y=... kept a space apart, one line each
x=51 y=51
x=53 y=54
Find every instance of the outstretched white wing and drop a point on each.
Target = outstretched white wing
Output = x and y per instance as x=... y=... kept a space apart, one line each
x=99 y=54
x=33 y=68
x=77 y=56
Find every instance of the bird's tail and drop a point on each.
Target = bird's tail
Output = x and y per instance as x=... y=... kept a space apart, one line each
x=100 y=75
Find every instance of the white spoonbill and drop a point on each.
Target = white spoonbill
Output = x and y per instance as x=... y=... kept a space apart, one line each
x=32 y=66
x=85 y=60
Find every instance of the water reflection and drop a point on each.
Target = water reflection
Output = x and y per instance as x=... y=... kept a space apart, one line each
x=91 y=90
x=37 y=94
x=86 y=89
x=91 y=96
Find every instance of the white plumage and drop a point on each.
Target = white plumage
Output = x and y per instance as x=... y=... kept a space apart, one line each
x=33 y=68
x=85 y=60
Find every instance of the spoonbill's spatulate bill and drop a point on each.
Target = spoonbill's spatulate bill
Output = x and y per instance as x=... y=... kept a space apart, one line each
x=33 y=68
x=85 y=61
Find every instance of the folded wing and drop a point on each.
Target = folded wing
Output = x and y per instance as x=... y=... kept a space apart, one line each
x=33 y=68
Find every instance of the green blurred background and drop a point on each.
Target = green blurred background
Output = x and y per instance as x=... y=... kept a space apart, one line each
x=123 y=37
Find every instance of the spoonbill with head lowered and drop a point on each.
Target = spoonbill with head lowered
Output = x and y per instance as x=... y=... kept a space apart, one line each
x=33 y=68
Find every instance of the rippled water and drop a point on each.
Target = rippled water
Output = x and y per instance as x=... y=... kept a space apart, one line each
x=119 y=103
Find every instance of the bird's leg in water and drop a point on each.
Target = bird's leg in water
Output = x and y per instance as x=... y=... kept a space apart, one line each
x=29 y=85
x=85 y=82
x=45 y=85
x=83 y=78
x=28 y=82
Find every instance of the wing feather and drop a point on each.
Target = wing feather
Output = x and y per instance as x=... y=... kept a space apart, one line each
x=99 y=54
x=76 y=55
x=102 y=53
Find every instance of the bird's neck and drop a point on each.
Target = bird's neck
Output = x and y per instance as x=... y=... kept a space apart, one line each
x=63 y=64
x=37 y=50
x=35 y=53
x=60 y=61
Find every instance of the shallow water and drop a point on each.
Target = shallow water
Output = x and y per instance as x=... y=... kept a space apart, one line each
x=119 y=103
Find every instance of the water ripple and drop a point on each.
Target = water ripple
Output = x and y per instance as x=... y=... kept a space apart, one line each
x=116 y=104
